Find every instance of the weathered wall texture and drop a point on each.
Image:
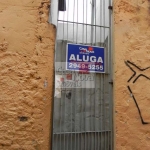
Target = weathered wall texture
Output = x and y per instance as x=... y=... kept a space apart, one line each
x=26 y=74
x=132 y=44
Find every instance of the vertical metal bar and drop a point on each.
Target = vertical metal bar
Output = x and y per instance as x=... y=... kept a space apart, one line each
x=100 y=22
x=86 y=19
x=98 y=139
x=67 y=147
x=74 y=90
x=92 y=103
x=99 y=110
x=78 y=135
x=110 y=89
x=101 y=135
x=109 y=69
x=82 y=120
x=86 y=103
x=77 y=23
x=64 y=118
x=73 y=19
x=104 y=78
x=66 y=24
x=86 y=135
x=67 y=141
x=61 y=105
x=61 y=101
x=95 y=80
x=83 y=25
x=67 y=18
x=92 y=21
x=71 y=88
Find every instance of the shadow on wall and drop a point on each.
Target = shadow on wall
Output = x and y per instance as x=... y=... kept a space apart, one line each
x=134 y=79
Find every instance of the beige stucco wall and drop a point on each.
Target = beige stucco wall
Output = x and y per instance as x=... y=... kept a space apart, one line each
x=26 y=74
x=132 y=43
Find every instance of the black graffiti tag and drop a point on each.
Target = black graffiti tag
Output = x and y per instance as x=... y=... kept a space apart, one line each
x=135 y=77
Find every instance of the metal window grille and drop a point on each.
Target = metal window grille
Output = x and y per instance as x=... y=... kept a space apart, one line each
x=82 y=117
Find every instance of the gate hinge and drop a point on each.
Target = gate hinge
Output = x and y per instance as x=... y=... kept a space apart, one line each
x=111 y=82
x=110 y=7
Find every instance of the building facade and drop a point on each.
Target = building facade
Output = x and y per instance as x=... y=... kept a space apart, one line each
x=27 y=45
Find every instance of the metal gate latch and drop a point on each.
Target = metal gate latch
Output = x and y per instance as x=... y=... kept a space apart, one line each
x=110 y=7
x=111 y=82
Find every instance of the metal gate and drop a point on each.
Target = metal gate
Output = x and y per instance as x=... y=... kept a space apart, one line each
x=82 y=116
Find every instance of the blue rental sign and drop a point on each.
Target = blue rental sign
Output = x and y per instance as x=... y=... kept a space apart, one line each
x=85 y=58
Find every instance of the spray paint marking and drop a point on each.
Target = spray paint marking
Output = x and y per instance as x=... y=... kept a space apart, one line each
x=131 y=66
x=132 y=95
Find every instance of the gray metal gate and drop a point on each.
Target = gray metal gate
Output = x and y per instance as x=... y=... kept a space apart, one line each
x=82 y=117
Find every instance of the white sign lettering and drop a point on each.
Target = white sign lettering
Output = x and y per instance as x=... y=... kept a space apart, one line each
x=85 y=58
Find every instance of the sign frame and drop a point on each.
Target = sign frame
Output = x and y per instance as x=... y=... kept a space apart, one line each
x=102 y=72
